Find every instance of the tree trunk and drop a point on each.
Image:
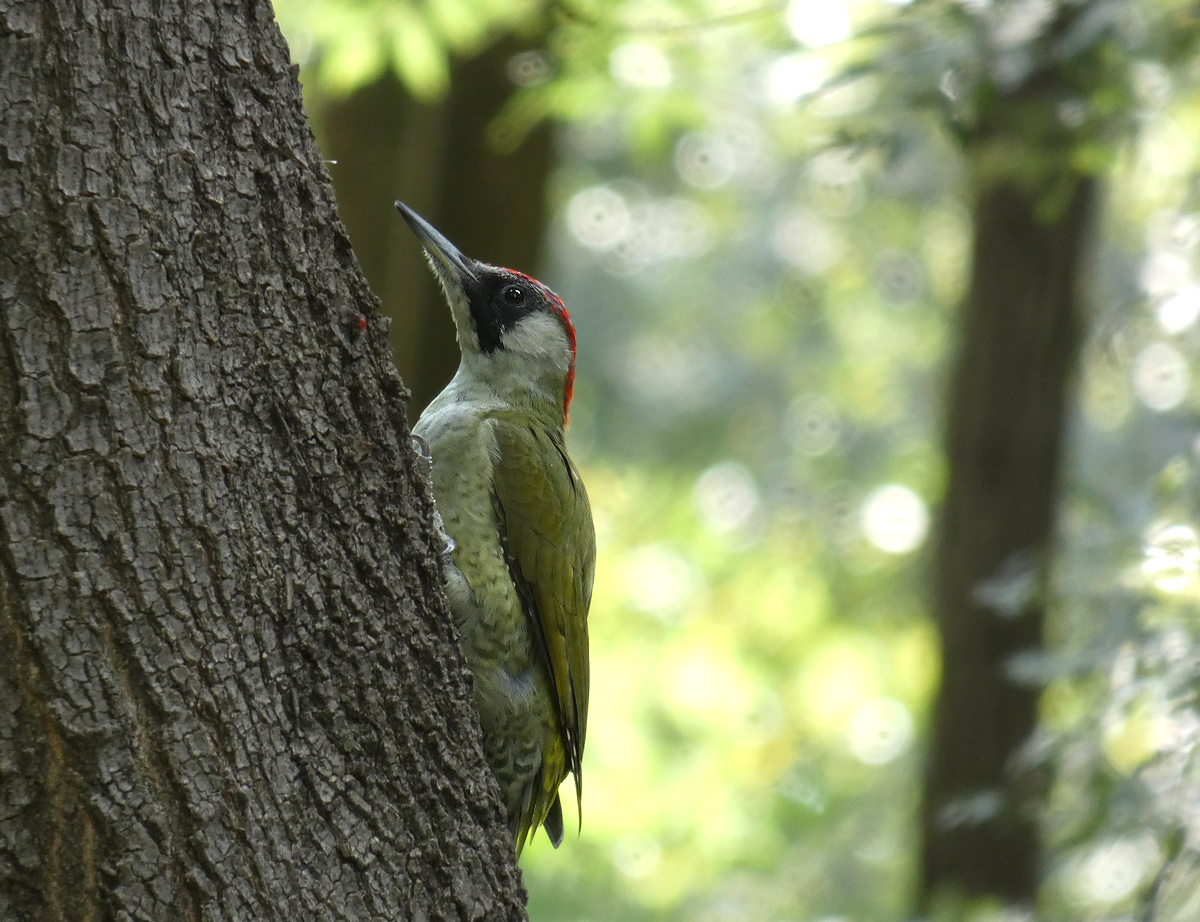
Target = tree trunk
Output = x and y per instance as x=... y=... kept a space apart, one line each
x=229 y=684
x=436 y=158
x=1019 y=345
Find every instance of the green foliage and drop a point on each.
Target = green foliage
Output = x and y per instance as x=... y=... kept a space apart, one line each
x=1120 y=709
x=759 y=310
x=728 y=679
x=1038 y=90
x=804 y=294
x=347 y=44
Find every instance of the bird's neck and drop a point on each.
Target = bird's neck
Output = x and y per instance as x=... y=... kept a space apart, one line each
x=511 y=381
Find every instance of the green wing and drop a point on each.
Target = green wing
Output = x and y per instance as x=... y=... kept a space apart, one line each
x=551 y=544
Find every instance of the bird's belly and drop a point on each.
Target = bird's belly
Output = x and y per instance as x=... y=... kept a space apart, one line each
x=517 y=718
x=512 y=689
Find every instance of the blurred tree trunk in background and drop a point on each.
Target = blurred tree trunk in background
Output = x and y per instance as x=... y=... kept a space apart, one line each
x=229 y=685
x=1019 y=343
x=435 y=157
x=1019 y=340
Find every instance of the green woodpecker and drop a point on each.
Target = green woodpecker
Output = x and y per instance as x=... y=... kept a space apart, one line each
x=519 y=577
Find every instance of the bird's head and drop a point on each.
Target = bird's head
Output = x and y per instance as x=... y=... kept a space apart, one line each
x=513 y=331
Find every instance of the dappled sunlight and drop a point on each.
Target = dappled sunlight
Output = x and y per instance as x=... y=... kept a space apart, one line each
x=639 y=65
x=730 y=694
x=1172 y=557
x=818 y=22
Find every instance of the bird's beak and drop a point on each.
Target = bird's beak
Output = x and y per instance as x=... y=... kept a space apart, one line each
x=446 y=258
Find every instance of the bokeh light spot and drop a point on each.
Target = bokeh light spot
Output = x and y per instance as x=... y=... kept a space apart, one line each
x=817 y=23
x=674 y=228
x=894 y=519
x=807 y=243
x=879 y=731
x=704 y=160
x=726 y=497
x=659 y=581
x=529 y=68
x=1161 y=377
x=792 y=77
x=812 y=425
x=1179 y=311
x=1171 y=556
x=598 y=217
x=639 y=65
x=1111 y=871
x=1165 y=272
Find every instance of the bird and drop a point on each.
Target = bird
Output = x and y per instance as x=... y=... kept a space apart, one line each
x=519 y=576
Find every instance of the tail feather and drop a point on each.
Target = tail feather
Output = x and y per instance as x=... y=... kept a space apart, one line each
x=523 y=821
x=553 y=823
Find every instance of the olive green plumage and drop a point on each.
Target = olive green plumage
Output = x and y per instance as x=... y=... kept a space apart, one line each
x=519 y=580
x=525 y=550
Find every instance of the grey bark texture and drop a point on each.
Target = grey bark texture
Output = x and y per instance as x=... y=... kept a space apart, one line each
x=229 y=685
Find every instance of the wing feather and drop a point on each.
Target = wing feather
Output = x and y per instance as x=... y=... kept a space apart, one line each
x=546 y=520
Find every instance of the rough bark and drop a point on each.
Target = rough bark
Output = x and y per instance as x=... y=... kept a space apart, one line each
x=1020 y=335
x=435 y=157
x=229 y=686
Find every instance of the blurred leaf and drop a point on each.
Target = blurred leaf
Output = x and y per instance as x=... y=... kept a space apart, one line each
x=417 y=55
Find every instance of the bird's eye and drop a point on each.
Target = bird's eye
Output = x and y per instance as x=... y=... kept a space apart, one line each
x=514 y=294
